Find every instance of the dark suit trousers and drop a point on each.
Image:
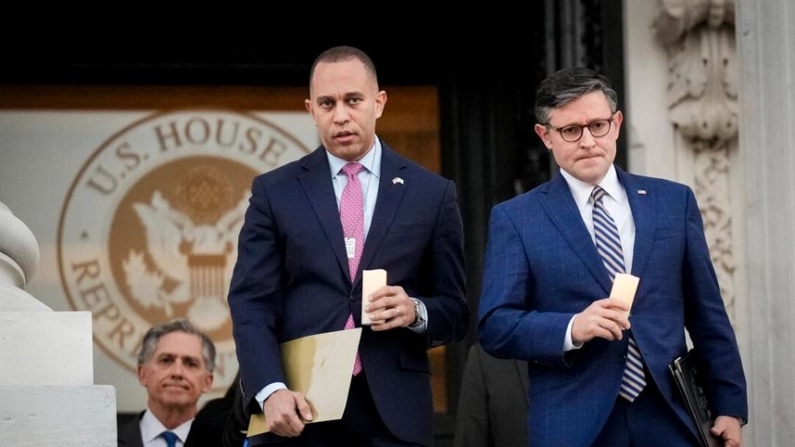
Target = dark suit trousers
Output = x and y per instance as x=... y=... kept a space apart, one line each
x=646 y=422
x=360 y=426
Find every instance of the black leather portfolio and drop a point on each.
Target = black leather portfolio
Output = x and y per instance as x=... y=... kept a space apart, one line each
x=685 y=372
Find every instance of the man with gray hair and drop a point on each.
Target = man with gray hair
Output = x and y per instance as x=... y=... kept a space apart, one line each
x=175 y=365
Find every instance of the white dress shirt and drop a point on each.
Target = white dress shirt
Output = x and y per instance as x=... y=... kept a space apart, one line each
x=617 y=205
x=152 y=428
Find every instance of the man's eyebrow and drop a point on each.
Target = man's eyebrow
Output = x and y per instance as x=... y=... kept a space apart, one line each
x=582 y=125
x=354 y=94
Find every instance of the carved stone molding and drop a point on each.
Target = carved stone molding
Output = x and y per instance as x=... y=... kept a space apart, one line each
x=702 y=88
x=711 y=172
x=699 y=38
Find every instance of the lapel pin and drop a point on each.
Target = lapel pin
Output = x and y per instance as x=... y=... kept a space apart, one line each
x=642 y=192
x=397 y=180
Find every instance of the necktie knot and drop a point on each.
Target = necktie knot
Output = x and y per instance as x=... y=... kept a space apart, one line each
x=170 y=437
x=598 y=193
x=352 y=169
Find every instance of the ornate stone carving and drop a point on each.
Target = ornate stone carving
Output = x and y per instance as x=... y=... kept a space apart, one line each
x=702 y=87
x=711 y=176
x=699 y=37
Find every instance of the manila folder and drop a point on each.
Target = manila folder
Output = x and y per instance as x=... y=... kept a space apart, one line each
x=320 y=367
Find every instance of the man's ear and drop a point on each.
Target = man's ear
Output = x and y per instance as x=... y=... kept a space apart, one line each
x=208 y=383
x=618 y=118
x=380 y=103
x=543 y=132
x=142 y=375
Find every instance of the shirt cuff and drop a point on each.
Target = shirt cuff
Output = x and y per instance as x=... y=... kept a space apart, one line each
x=267 y=391
x=568 y=343
x=422 y=318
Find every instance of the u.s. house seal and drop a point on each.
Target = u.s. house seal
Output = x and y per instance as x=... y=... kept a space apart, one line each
x=148 y=231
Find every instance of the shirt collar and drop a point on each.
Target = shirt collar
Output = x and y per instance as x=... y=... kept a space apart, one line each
x=151 y=427
x=371 y=161
x=581 y=191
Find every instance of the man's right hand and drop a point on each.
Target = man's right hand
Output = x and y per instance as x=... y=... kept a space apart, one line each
x=286 y=412
x=605 y=318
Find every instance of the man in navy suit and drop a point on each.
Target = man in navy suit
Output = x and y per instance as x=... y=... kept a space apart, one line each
x=545 y=283
x=293 y=275
x=175 y=364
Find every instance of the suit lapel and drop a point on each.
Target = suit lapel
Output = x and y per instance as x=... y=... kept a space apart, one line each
x=559 y=205
x=641 y=202
x=389 y=197
x=318 y=186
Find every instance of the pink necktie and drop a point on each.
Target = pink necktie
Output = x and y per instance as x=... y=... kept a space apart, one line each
x=352 y=217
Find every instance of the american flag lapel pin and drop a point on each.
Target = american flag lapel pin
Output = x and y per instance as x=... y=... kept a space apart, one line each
x=642 y=192
x=397 y=180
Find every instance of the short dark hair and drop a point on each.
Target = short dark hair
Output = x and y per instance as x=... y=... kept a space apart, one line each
x=345 y=53
x=568 y=84
x=155 y=333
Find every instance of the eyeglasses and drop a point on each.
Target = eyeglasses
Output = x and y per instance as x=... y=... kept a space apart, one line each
x=573 y=133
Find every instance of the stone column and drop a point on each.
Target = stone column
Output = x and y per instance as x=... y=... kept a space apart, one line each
x=766 y=42
x=19 y=256
x=699 y=39
x=47 y=396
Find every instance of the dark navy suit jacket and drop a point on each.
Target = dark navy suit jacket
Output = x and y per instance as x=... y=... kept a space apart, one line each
x=129 y=434
x=492 y=403
x=291 y=278
x=542 y=267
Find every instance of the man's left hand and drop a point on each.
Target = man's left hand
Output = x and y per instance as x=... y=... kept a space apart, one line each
x=390 y=307
x=729 y=429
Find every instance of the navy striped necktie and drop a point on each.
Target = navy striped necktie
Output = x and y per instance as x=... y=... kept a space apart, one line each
x=608 y=244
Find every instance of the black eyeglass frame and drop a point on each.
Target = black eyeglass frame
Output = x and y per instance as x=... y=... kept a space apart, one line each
x=609 y=126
